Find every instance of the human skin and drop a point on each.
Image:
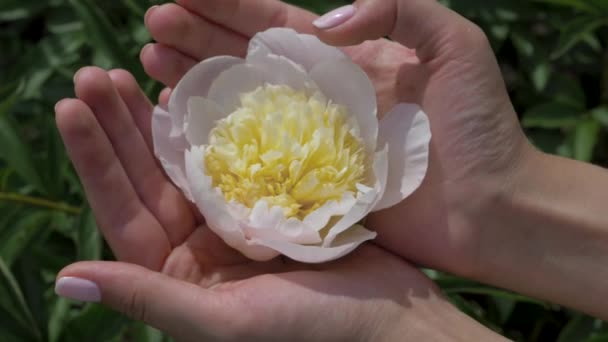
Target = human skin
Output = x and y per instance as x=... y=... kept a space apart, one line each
x=481 y=167
x=492 y=207
x=192 y=285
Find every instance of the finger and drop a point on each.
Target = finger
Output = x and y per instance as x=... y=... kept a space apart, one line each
x=165 y=202
x=191 y=34
x=163 y=97
x=425 y=25
x=249 y=17
x=118 y=210
x=165 y=64
x=136 y=101
x=184 y=310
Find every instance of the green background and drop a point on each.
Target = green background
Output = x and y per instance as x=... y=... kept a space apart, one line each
x=553 y=53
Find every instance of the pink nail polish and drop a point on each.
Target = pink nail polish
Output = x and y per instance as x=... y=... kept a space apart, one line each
x=78 y=289
x=335 y=18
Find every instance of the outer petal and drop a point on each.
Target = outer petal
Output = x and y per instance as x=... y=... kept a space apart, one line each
x=271 y=224
x=347 y=84
x=319 y=218
x=305 y=50
x=197 y=82
x=169 y=147
x=341 y=246
x=203 y=115
x=366 y=201
x=407 y=131
x=228 y=87
x=214 y=208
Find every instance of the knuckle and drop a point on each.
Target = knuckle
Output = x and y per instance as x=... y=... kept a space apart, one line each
x=135 y=306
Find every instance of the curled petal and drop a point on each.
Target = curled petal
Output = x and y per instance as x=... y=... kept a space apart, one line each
x=197 y=82
x=341 y=246
x=366 y=201
x=305 y=50
x=169 y=147
x=319 y=218
x=271 y=223
x=347 y=84
x=214 y=208
x=407 y=132
x=203 y=115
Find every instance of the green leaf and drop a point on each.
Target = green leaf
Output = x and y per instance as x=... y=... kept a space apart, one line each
x=586 y=137
x=58 y=318
x=11 y=330
x=601 y=115
x=577 y=329
x=13 y=302
x=18 y=236
x=580 y=5
x=541 y=75
x=104 y=38
x=95 y=324
x=551 y=115
x=18 y=9
x=144 y=333
x=576 y=31
x=14 y=151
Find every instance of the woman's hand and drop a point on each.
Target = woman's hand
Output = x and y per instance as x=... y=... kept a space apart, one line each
x=491 y=207
x=182 y=279
x=452 y=72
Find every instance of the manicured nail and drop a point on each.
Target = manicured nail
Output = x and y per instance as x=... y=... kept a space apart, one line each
x=78 y=289
x=149 y=12
x=335 y=18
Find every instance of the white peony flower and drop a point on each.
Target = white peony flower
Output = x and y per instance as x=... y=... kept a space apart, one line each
x=282 y=152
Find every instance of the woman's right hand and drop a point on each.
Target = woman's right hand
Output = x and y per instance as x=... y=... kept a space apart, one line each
x=477 y=141
x=491 y=207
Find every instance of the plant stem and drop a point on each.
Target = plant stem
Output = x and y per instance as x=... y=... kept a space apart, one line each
x=39 y=202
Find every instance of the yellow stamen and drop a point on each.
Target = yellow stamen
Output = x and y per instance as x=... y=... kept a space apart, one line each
x=287 y=148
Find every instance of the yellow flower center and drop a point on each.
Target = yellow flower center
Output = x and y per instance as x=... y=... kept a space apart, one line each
x=292 y=150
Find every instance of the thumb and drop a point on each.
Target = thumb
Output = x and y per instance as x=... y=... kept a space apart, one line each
x=424 y=25
x=183 y=310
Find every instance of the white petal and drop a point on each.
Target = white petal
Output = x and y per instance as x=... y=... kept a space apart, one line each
x=342 y=245
x=203 y=115
x=345 y=83
x=281 y=70
x=319 y=218
x=196 y=82
x=366 y=200
x=169 y=148
x=305 y=50
x=214 y=208
x=232 y=83
x=407 y=131
x=271 y=224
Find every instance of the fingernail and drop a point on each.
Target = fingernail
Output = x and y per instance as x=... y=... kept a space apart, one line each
x=148 y=13
x=75 y=78
x=58 y=104
x=144 y=49
x=78 y=289
x=335 y=18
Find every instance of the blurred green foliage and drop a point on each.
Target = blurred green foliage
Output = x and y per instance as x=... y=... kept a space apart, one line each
x=554 y=55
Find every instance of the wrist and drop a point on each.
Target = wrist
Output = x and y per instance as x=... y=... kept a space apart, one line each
x=549 y=228
x=432 y=319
